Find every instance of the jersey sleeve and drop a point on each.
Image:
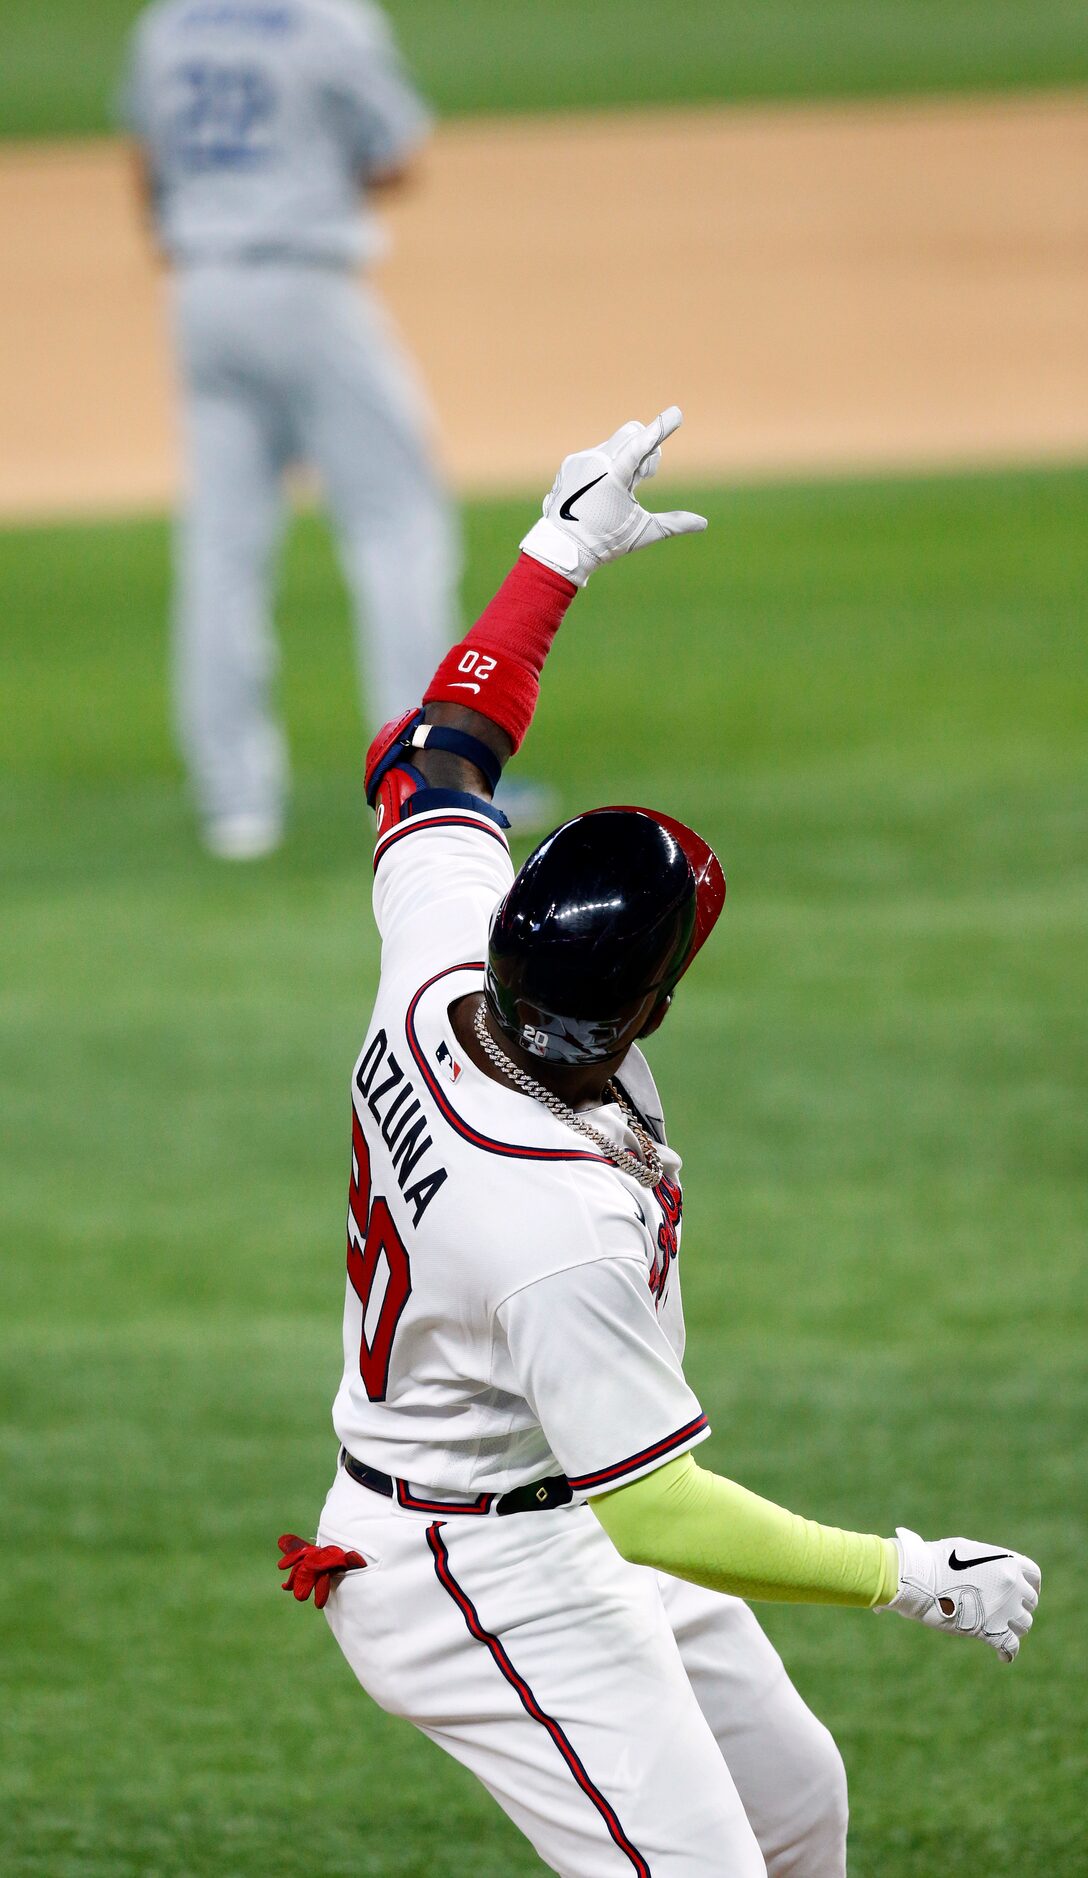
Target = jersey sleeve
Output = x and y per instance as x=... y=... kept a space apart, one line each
x=600 y=1374
x=383 y=117
x=438 y=877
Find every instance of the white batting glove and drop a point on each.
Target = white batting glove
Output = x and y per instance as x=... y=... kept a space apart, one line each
x=967 y=1589
x=591 y=515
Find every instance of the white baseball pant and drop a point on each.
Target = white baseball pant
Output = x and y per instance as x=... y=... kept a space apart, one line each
x=284 y=363
x=632 y=1726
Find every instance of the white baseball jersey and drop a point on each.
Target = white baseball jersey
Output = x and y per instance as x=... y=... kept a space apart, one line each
x=513 y=1300
x=262 y=118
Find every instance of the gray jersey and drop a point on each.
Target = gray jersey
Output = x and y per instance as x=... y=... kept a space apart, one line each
x=262 y=120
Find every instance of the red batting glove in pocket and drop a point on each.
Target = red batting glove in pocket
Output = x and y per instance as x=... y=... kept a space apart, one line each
x=313 y=1567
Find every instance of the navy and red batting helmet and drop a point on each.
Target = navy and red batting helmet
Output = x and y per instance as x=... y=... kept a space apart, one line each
x=610 y=908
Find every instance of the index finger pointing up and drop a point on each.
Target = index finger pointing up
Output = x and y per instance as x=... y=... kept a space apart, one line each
x=647 y=438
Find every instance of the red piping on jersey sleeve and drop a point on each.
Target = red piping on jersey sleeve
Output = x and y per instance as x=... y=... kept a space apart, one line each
x=496 y=668
x=659 y=1451
x=437 y=819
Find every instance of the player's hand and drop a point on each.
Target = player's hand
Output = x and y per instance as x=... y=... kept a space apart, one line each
x=313 y=1567
x=967 y=1588
x=591 y=513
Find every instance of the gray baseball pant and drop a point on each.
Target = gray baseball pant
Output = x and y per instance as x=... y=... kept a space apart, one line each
x=282 y=363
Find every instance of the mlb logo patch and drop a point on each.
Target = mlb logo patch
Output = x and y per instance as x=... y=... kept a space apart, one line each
x=447 y=1062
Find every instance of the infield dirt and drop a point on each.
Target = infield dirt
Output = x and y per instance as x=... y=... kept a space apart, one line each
x=823 y=288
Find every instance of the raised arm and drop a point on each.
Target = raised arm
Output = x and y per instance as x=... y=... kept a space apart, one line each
x=590 y=515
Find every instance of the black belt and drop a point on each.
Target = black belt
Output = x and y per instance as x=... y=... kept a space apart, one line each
x=537 y=1497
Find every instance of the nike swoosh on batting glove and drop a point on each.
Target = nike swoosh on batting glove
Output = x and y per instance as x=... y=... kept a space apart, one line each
x=591 y=513
x=967 y=1589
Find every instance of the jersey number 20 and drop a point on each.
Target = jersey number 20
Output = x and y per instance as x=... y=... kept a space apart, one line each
x=377 y=1269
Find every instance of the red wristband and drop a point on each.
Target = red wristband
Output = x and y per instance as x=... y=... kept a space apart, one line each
x=496 y=668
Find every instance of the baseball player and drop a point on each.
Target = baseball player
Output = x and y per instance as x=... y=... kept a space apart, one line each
x=263 y=127
x=520 y=1551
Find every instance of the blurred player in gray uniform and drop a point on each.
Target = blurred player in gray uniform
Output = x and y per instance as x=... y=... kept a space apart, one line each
x=263 y=127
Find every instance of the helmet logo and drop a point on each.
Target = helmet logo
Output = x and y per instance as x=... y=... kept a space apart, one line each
x=533 y=1040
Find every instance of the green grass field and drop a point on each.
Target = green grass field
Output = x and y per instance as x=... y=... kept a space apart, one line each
x=872 y=698
x=60 y=60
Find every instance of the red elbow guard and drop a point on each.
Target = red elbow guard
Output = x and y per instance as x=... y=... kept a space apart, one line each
x=496 y=669
x=389 y=784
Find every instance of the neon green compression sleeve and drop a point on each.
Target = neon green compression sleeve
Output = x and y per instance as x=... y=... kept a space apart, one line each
x=693 y=1524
